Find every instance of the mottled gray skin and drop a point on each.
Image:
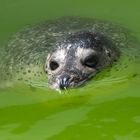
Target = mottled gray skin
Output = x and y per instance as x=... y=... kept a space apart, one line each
x=70 y=50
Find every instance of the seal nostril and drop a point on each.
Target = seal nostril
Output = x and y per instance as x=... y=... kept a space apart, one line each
x=64 y=81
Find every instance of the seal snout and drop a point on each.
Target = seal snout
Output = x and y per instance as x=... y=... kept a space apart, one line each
x=64 y=81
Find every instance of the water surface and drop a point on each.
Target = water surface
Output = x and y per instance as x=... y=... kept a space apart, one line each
x=107 y=108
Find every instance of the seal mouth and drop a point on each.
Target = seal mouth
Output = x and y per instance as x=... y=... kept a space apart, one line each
x=82 y=81
x=65 y=81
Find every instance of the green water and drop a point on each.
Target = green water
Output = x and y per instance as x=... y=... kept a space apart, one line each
x=107 y=108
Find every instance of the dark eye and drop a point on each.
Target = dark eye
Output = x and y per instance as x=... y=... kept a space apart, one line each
x=90 y=61
x=53 y=65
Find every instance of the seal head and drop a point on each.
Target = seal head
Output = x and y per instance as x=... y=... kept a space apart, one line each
x=77 y=57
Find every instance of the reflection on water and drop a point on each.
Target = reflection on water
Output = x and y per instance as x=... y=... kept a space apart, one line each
x=42 y=120
x=109 y=120
x=103 y=116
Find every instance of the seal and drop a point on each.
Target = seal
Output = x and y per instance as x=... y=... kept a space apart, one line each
x=78 y=57
x=68 y=51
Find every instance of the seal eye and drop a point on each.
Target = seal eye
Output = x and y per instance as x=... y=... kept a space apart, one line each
x=90 y=61
x=53 y=65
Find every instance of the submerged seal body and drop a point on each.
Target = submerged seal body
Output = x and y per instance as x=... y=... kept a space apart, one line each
x=70 y=50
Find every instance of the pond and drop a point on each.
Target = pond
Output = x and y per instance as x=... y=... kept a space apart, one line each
x=106 y=108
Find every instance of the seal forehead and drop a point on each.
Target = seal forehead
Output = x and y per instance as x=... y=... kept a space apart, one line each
x=82 y=52
x=80 y=39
